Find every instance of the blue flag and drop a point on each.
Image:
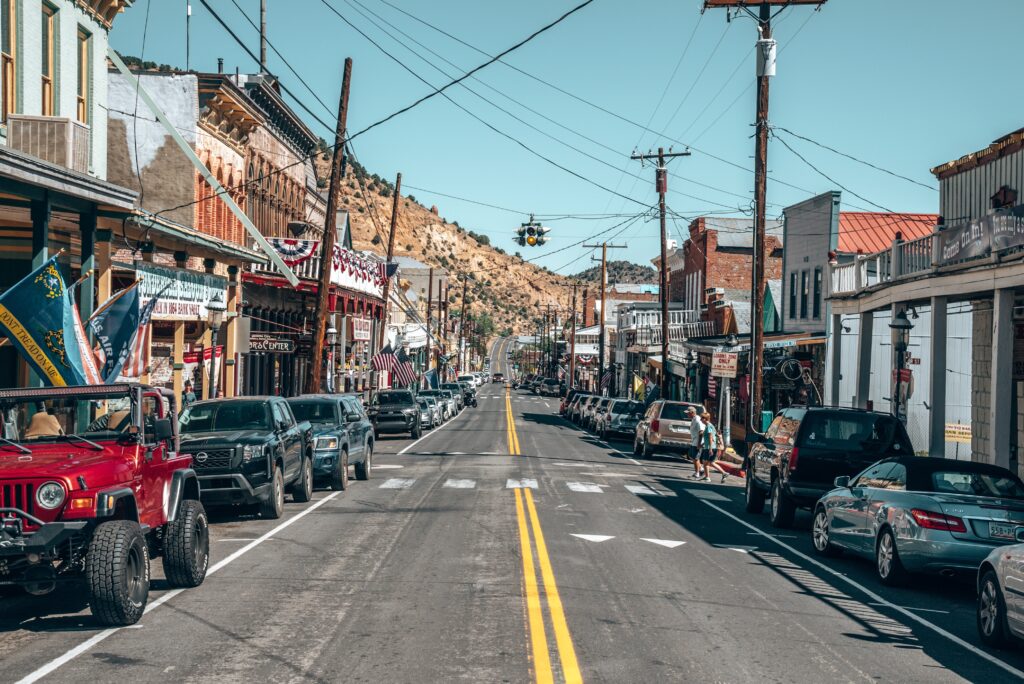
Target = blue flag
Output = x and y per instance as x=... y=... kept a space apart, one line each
x=115 y=325
x=39 y=316
x=431 y=377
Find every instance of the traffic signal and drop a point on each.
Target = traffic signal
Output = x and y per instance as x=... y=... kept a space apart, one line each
x=531 y=233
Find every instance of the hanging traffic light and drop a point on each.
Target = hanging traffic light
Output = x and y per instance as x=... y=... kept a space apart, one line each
x=531 y=233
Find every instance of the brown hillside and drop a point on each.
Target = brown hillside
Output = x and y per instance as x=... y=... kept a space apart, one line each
x=501 y=284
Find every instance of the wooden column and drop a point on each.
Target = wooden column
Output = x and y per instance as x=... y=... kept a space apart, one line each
x=230 y=343
x=104 y=277
x=179 y=360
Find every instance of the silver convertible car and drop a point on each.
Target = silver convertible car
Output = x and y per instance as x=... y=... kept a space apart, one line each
x=917 y=514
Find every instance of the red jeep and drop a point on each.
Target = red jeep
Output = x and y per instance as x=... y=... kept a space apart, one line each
x=91 y=487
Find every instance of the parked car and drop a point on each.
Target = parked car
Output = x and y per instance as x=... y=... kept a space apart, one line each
x=620 y=419
x=471 y=378
x=524 y=382
x=453 y=401
x=395 y=411
x=445 y=402
x=581 y=406
x=435 y=408
x=72 y=506
x=594 y=410
x=427 y=420
x=664 y=428
x=248 y=451
x=342 y=436
x=913 y=515
x=1000 y=613
x=570 y=395
x=805 y=449
x=458 y=392
x=571 y=404
x=550 y=387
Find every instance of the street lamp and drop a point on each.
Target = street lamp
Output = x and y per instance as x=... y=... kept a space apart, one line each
x=215 y=310
x=332 y=343
x=691 y=363
x=901 y=327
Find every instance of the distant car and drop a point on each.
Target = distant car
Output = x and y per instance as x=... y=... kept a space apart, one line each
x=620 y=419
x=664 y=428
x=572 y=404
x=395 y=411
x=579 y=408
x=917 y=515
x=549 y=388
x=593 y=409
x=498 y=377
x=453 y=402
x=1000 y=614
x=435 y=407
x=342 y=436
x=470 y=378
x=805 y=449
x=567 y=399
x=445 y=411
x=457 y=392
x=428 y=413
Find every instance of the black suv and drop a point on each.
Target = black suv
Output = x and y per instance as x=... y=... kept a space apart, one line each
x=395 y=411
x=342 y=436
x=247 y=450
x=806 y=449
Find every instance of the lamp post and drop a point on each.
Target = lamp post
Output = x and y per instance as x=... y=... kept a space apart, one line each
x=691 y=362
x=332 y=344
x=731 y=341
x=215 y=310
x=901 y=327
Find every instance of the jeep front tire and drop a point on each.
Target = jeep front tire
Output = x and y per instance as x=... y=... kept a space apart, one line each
x=187 y=546
x=117 y=573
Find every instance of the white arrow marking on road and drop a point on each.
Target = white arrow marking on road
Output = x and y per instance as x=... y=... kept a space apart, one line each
x=397 y=483
x=667 y=543
x=586 y=487
x=707 y=495
x=517 y=484
x=460 y=484
x=594 y=537
x=383 y=466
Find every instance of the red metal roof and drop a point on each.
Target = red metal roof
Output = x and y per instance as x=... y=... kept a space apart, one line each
x=868 y=232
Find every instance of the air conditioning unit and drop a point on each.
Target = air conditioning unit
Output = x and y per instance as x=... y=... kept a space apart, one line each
x=712 y=291
x=55 y=139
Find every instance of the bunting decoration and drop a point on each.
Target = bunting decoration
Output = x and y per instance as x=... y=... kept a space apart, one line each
x=294 y=252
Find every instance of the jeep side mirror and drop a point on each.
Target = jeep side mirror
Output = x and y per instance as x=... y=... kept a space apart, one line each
x=162 y=429
x=842 y=481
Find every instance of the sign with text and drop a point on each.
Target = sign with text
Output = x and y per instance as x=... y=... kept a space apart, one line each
x=723 y=364
x=361 y=329
x=993 y=233
x=186 y=293
x=266 y=342
x=958 y=432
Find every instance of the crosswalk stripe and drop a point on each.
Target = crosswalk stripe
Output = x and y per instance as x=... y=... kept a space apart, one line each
x=642 y=490
x=398 y=483
x=460 y=484
x=586 y=487
x=525 y=482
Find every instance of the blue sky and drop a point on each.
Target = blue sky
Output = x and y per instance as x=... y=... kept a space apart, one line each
x=904 y=84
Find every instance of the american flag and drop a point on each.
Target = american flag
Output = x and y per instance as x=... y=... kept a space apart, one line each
x=138 y=359
x=606 y=379
x=405 y=374
x=385 y=359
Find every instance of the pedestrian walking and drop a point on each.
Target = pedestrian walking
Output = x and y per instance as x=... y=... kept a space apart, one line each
x=187 y=395
x=712 y=446
x=696 y=435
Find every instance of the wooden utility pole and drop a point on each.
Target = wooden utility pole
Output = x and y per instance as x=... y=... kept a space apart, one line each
x=430 y=301
x=462 y=323
x=604 y=285
x=441 y=342
x=263 y=36
x=661 y=185
x=572 y=343
x=765 y=70
x=390 y=258
x=330 y=231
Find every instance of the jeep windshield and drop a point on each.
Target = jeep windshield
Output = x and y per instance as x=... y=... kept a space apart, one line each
x=224 y=416
x=82 y=419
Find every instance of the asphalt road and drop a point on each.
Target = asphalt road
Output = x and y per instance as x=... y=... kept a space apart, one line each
x=494 y=550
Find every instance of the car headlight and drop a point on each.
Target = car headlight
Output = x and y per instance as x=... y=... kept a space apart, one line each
x=409 y=411
x=250 y=452
x=326 y=442
x=50 y=495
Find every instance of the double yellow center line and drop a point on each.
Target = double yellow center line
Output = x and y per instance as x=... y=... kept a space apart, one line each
x=529 y=521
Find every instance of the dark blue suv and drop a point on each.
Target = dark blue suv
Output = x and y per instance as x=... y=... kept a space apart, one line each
x=342 y=436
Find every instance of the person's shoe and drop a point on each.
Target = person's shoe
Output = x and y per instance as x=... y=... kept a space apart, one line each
x=706 y=478
x=724 y=475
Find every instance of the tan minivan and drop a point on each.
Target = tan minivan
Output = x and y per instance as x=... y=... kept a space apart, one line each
x=665 y=428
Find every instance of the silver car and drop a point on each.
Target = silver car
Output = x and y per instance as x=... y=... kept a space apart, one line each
x=1001 y=595
x=915 y=514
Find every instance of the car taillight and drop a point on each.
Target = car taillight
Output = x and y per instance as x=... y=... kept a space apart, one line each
x=794 y=456
x=655 y=424
x=937 y=521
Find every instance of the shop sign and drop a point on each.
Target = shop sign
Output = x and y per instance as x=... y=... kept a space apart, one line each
x=723 y=364
x=982 y=236
x=958 y=432
x=361 y=329
x=265 y=342
x=712 y=388
x=183 y=294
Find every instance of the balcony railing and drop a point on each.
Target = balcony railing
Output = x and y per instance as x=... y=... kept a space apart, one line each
x=309 y=269
x=905 y=259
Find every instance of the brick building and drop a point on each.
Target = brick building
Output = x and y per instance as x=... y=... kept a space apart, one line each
x=614 y=295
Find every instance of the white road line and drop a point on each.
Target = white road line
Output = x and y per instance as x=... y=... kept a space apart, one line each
x=879 y=601
x=920 y=610
x=642 y=490
x=518 y=484
x=629 y=457
x=597 y=538
x=585 y=487
x=238 y=539
x=432 y=433
x=386 y=466
x=667 y=543
x=580 y=465
x=153 y=605
x=398 y=483
x=460 y=484
x=706 y=494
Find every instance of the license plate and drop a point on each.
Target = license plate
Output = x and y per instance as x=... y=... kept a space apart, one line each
x=677 y=429
x=1000 y=531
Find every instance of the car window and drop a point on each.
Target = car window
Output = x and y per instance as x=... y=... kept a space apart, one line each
x=785 y=432
x=896 y=479
x=403 y=397
x=874 y=476
x=977 y=483
x=314 y=411
x=773 y=429
x=847 y=430
x=151 y=410
x=652 y=411
x=225 y=415
x=279 y=416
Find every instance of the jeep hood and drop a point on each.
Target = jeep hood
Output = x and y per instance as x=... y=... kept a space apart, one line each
x=200 y=440
x=68 y=461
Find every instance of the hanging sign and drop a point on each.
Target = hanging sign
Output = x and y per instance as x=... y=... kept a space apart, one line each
x=183 y=293
x=723 y=364
x=362 y=329
x=266 y=342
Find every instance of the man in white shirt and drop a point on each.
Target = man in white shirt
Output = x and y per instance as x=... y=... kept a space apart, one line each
x=696 y=434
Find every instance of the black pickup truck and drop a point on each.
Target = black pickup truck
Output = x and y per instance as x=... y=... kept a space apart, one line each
x=247 y=451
